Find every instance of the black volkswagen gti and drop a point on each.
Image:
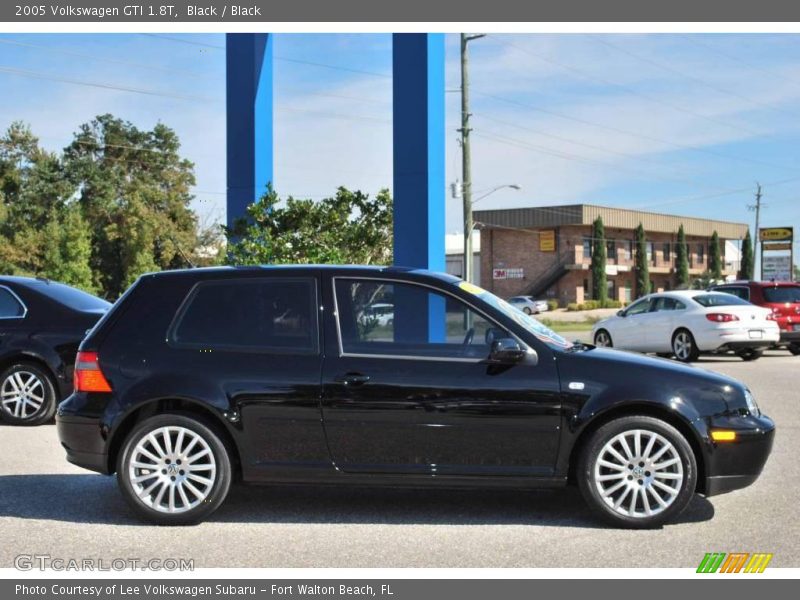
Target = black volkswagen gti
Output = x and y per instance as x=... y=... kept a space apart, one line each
x=41 y=324
x=285 y=375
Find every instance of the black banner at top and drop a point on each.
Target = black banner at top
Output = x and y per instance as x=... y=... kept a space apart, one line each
x=258 y=11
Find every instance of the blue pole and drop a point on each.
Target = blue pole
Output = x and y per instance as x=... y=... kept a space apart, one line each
x=419 y=171
x=249 y=115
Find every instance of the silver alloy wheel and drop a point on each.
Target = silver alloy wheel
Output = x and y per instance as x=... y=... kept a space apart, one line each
x=172 y=469
x=638 y=473
x=602 y=339
x=682 y=345
x=22 y=394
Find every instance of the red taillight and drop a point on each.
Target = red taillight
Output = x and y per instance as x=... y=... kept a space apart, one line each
x=773 y=316
x=721 y=317
x=88 y=376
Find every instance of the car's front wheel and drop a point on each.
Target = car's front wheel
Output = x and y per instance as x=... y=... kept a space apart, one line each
x=27 y=394
x=603 y=339
x=637 y=472
x=174 y=470
x=527 y=310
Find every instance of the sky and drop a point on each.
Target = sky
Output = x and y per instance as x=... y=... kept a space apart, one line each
x=683 y=124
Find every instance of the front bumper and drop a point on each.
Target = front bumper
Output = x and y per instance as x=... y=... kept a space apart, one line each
x=735 y=465
x=82 y=435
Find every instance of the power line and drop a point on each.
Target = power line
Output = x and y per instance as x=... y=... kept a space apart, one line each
x=183 y=41
x=629 y=90
x=688 y=76
x=629 y=133
x=106 y=86
x=197 y=74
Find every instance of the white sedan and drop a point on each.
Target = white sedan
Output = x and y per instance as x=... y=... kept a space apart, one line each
x=685 y=323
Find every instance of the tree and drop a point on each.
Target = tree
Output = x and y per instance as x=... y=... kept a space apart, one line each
x=715 y=258
x=134 y=193
x=346 y=228
x=682 y=260
x=748 y=260
x=599 y=279
x=640 y=265
x=68 y=249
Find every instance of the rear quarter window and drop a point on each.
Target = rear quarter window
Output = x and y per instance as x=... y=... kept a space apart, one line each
x=267 y=315
x=782 y=295
x=719 y=299
x=10 y=305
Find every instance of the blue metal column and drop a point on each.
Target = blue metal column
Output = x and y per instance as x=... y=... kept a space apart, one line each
x=249 y=119
x=419 y=169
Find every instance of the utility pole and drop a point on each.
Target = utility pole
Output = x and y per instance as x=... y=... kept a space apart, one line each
x=757 y=238
x=466 y=165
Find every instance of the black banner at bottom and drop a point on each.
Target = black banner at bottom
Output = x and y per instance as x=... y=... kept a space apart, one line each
x=391 y=589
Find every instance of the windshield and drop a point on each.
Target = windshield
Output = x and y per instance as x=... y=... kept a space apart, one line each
x=72 y=297
x=779 y=295
x=542 y=332
x=708 y=300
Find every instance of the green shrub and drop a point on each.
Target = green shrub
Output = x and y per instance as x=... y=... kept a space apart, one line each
x=612 y=304
x=572 y=307
x=591 y=305
x=552 y=304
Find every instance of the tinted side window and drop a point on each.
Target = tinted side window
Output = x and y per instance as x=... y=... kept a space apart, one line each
x=420 y=322
x=638 y=308
x=259 y=314
x=741 y=292
x=10 y=307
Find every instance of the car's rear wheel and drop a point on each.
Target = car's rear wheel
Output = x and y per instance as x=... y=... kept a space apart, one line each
x=684 y=347
x=750 y=354
x=637 y=472
x=794 y=348
x=174 y=470
x=527 y=310
x=603 y=339
x=27 y=394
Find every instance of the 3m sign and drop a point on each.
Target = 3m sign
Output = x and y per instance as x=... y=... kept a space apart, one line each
x=735 y=562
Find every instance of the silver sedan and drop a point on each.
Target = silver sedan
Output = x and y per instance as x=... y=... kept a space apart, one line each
x=529 y=305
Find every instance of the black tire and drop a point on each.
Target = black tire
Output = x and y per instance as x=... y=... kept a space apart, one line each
x=599 y=336
x=664 y=354
x=527 y=310
x=794 y=348
x=750 y=354
x=43 y=391
x=217 y=491
x=684 y=338
x=589 y=487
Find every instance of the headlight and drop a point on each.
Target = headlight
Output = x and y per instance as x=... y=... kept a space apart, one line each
x=751 y=403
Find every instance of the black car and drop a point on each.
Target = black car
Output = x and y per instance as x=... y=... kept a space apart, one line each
x=41 y=324
x=282 y=374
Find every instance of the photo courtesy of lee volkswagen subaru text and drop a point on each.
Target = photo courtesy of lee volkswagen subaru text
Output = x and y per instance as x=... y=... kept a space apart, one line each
x=201 y=377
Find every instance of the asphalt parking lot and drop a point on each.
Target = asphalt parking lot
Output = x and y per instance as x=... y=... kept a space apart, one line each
x=50 y=507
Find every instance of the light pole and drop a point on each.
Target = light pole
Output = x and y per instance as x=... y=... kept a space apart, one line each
x=466 y=175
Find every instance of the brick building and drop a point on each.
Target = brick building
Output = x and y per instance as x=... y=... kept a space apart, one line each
x=546 y=251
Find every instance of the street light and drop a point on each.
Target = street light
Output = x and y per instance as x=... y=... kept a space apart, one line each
x=511 y=186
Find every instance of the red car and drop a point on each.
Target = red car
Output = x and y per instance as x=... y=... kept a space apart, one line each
x=783 y=297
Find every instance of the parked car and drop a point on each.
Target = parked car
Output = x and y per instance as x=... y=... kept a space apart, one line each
x=781 y=297
x=529 y=305
x=189 y=383
x=381 y=313
x=41 y=324
x=685 y=324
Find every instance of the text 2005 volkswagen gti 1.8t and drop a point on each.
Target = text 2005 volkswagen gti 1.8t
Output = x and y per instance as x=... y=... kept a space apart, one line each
x=387 y=376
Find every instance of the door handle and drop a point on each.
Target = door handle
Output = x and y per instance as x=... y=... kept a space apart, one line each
x=352 y=379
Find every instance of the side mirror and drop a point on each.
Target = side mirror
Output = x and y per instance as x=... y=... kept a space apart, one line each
x=620 y=313
x=506 y=351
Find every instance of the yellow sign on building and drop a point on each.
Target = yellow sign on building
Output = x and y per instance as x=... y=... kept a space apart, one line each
x=547 y=240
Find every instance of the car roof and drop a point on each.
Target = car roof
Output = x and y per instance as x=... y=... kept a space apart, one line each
x=759 y=283
x=348 y=269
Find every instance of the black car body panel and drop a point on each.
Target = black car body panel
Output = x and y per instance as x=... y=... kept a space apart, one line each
x=329 y=416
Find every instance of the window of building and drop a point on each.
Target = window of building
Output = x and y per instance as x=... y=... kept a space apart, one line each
x=611 y=249
x=627 y=249
x=701 y=253
x=587 y=247
x=667 y=250
x=276 y=314
x=651 y=252
x=422 y=322
x=10 y=306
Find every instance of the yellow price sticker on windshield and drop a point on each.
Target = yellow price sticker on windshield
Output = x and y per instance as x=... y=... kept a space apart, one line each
x=471 y=288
